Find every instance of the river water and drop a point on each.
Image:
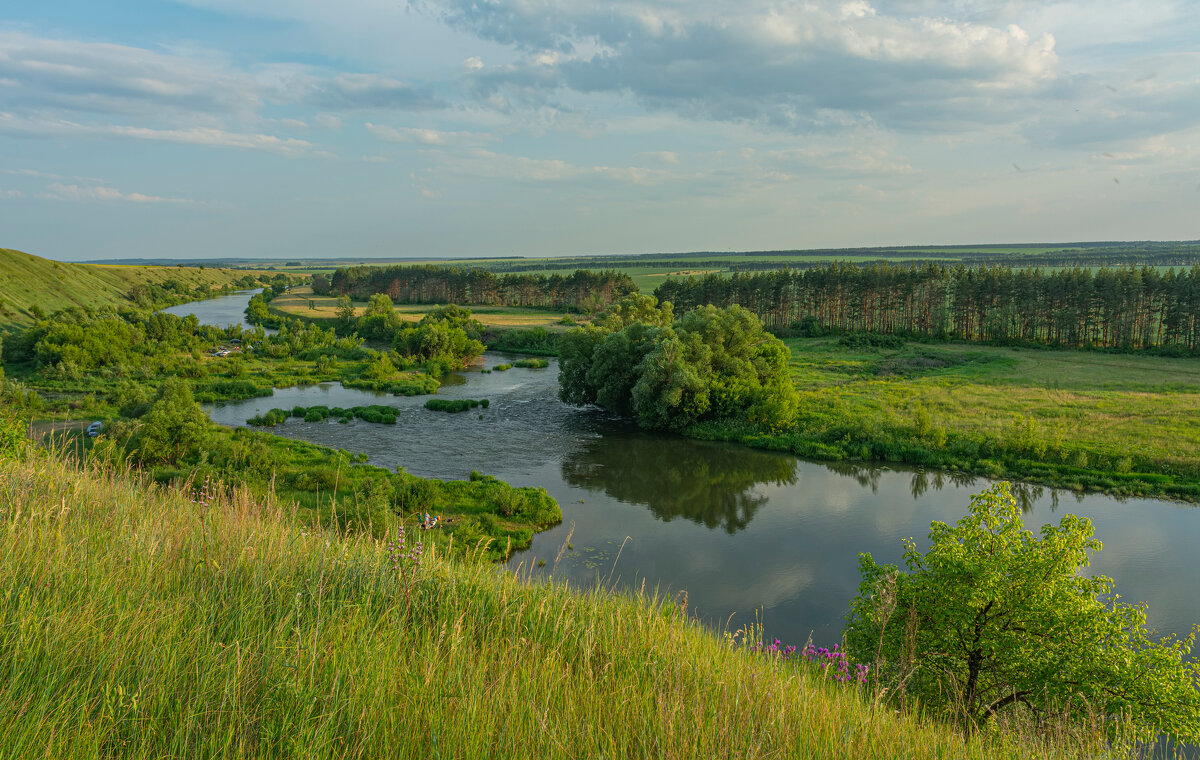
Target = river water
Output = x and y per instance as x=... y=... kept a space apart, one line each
x=223 y=311
x=748 y=534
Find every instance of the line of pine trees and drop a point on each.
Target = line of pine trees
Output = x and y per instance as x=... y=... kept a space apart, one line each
x=582 y=290
x=1130 y=308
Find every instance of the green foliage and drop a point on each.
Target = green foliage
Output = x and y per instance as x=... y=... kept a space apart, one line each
x=269 y=419
x=377 y=413
x=173 y=427
x=440 y=337
x=710 y=364
x=636 y=308
x=533 y=340
x=531 y=363
x=12 y=434
x=345 y=309
x=871 y=340
x=257 y=312
x=455 y=405
x=993 y=619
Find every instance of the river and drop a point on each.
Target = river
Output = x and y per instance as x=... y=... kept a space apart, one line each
x=222 y=311
x=748 y=534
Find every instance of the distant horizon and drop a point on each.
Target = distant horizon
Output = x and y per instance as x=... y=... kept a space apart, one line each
x=644 y=254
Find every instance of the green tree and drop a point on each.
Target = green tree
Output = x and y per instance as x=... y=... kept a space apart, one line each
x=173 y=427
x=994 y=619
x=635 y=308
x=345 y=309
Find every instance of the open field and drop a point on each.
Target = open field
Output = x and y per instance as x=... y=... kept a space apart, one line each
x=1115 y=413
x=300 y=302
x=144 y=622
x=26 y=281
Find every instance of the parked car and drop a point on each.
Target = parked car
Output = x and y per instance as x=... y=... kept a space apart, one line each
x=94 y=429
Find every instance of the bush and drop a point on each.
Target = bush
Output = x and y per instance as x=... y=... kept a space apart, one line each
x=453 y=405
x=871 y=340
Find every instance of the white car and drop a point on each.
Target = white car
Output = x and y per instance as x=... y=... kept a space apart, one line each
x=94 y=429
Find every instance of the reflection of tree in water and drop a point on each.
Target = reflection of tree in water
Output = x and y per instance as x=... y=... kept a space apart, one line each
x=706 y=483
x=1026 y=494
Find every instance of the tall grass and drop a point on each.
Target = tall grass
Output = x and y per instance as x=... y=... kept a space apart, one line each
x=143 y=622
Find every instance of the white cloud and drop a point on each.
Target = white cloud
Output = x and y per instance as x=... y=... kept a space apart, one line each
x=484 y=163
x=209 y=136
x=9 y=194
x=61 y=192
x=425 y=136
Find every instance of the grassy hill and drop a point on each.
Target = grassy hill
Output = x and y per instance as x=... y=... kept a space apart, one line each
x=27 y=280
x=142 y=622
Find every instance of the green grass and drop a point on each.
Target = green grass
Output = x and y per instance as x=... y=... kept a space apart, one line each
x=300 y=302
x=138 y=623
x=27 y=280
x=1121 y=423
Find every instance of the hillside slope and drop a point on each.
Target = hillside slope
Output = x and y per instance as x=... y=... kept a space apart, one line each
x=27 y=280
x=142 y=622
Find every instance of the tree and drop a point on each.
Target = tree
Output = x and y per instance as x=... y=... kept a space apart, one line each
x=711 y=364
x=993 y=619
x=173 y=427
x=345 y=309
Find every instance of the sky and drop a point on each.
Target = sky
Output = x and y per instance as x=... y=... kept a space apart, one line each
x=443 y=128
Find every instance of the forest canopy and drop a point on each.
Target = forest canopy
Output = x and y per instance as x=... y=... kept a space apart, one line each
x=1131 y=308
x=671 y=373
x=582 y=290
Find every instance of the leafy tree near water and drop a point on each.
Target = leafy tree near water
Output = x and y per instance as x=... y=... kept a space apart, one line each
x=668 y=374
x=993 y=619
x=173 y=426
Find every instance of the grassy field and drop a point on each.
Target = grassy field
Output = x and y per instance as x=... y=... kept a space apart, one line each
x=142 y=622
x=300 y=302
x=1078 y=415
x=27 y=280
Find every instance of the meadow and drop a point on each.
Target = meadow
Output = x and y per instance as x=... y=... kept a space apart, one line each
x=1081 y=419
x=142 y=621
x=28 y=281
x=303 y=304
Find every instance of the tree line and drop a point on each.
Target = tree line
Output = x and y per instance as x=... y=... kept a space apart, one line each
x=1130 y=308
x=582 y=290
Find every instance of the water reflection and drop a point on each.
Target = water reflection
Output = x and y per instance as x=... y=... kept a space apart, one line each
x=1027 y=495
x=762 y=533
x=710 y=484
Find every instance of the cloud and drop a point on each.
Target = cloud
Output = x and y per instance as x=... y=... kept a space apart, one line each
x=362 y=91
x=432 y=137
x=61 y=192
x=484 y=163
x=756 y=60
x=10 y=194
x=16 y=125
x=99 y=77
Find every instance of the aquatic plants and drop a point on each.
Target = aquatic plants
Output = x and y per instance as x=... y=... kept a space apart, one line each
x=377 y=413
x=454 y=405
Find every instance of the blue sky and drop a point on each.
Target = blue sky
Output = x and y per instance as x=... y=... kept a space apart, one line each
x=302 y=128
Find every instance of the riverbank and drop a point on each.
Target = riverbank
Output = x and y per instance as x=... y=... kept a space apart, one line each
x=1115 y=423
x=229 y=630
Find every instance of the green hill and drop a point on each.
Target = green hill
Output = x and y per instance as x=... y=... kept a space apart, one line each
x=143 y=622
x=27 y=280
